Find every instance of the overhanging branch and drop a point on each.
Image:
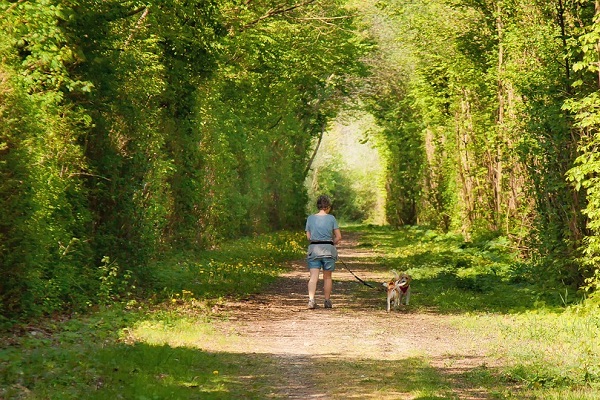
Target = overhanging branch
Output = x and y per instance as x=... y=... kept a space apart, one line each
x=13 y=6
x=314 y=154
x=279 y=10
x=137 y=25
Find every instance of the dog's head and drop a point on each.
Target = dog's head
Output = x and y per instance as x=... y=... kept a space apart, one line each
x=390 y=286
x=404 y=280
x=401 y=279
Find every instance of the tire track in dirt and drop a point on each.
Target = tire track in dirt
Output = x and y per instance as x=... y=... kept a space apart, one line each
x=356 y=331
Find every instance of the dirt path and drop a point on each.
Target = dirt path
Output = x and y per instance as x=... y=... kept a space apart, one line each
x=356 y=349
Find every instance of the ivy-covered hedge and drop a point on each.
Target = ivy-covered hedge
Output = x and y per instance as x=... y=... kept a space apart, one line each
x=490 y=116
x=128 y=129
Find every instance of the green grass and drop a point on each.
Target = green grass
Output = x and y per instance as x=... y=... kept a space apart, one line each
x=114 y=370
x=235 y=268
x=452 y=276
x=545 y=340
x=548 y=349
x=367 y=378
x=93 y=357
x=547 y=337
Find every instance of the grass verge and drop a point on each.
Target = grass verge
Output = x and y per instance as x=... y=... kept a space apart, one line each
x=93 y=356
x=545 y=346
x=544 y=339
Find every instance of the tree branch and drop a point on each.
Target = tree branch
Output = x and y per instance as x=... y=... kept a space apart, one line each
x=324 y=18
x=276 y=123
x=13 y=6
x=136 y=27
x=87 y=174
x=136 y=11
x=314 y=154
x=279 y=10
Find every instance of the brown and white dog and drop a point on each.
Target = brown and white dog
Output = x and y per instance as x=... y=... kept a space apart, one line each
x=398 y=289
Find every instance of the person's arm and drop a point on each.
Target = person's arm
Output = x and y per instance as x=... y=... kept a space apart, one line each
x=308 y=235
x=337 y=236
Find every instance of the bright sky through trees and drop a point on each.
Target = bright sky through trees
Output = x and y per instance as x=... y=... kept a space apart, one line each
x=350 y=148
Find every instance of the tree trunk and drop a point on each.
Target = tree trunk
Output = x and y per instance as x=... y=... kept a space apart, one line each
x=497 y=166
x=314 y=154
x=465 y=176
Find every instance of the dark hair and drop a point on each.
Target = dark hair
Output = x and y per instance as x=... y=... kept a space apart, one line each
x=323 y=202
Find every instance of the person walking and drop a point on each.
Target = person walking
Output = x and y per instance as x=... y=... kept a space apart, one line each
x=324 y=234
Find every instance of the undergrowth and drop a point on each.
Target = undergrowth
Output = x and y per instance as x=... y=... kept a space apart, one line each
x=234 y=268
x=92 y=356
x=544 y=337
x=546 y=334
x=454 y=276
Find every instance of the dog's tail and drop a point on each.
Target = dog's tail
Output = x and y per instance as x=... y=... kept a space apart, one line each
x=396 y=274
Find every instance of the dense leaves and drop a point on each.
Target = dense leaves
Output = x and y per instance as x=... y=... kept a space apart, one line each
x=130 y=128
x=477 y=99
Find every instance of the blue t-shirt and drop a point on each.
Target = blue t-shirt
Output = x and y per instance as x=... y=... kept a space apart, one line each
x=321 y=229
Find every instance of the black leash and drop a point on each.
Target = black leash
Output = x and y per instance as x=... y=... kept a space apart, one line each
x=360 y=280
x=345 y=266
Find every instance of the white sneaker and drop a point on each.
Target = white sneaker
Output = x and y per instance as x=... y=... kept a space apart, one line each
x=312 y=304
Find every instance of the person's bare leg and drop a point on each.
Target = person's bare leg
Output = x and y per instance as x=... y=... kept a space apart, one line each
x=327 y=284
x=312 y=282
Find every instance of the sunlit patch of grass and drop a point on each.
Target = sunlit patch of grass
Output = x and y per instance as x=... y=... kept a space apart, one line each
x=453 y=276
x=175 y=333
x=235 y=268
x=546 y=354
x=584 y=393
x=178 y=328
x=549 y=349
x=114 y=354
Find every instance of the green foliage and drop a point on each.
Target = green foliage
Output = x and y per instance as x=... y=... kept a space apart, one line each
x=454 y=276
x=342 y=174
x=349 y=167
x=113 y=282
x=349 y=205
x=45 y=251
x=129 y=129
x=470 y=99
x=584 y=174
x=235 y=268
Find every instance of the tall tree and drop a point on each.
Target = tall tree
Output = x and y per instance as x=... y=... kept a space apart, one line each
x=129 y=128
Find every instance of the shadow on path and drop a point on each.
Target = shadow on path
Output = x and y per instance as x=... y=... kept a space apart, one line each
x=356 y=349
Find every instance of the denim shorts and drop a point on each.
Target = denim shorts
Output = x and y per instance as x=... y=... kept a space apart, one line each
x=328 y=264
